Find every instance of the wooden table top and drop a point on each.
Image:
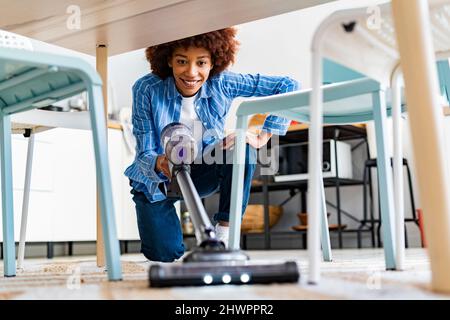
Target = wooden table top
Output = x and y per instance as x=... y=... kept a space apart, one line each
x=127 y=25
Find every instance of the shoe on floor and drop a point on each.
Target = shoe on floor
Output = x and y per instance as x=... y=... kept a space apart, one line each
x=222 y=234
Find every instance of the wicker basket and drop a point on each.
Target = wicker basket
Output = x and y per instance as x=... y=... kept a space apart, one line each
x=303 y=217
x=254 y=217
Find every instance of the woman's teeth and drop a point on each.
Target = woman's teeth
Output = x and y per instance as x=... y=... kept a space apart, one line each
x=189 y=83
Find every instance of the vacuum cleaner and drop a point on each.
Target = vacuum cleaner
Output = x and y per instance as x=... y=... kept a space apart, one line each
x=209 y=263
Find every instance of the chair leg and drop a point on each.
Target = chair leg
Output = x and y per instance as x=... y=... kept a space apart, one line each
x=9 y=259
x=398 y=174
x=358 y=238
x=364 y=191
x=112 y=250
x=25 y=202
x=367 y=181
x=371 y=208
x=325 y=234
x=315 y=167
x=411 y=195
x=384 y=179
x=236 y=184
x=406 y=236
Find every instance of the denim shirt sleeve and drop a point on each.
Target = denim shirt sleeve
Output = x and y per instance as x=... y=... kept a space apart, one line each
x=248 y=85
x=145 y=132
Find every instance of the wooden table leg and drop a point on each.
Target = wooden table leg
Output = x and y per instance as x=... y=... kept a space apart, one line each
x=414 y=38
x=102 y=69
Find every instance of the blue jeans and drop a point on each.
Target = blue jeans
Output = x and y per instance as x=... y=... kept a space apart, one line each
x=158 y=224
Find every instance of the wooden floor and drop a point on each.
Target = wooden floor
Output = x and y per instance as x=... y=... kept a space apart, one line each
x=354 y=274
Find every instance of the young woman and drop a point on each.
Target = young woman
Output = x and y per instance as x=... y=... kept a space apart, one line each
x=189 y=84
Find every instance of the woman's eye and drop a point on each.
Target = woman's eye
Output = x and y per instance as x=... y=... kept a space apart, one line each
x=202 y=63
x=181 y=61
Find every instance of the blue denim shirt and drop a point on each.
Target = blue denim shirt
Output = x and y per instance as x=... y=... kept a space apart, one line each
x=157 y=102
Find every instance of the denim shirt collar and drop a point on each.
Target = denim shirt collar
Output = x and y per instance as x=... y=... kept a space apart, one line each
x=172 y=92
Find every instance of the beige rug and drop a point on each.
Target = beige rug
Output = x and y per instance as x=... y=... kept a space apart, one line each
x=353 y=274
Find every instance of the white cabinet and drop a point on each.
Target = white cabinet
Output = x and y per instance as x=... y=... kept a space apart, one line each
x=75 y=186
x=120 y=159
x=128 y=222
x=63 y=186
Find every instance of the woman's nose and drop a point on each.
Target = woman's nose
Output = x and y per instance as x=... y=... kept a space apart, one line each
x=192 y=69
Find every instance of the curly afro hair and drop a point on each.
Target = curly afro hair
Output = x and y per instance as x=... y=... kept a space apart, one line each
x=220 y=43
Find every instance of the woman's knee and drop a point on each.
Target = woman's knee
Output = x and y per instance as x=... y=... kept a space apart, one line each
x=159 y=230
x=163 y=252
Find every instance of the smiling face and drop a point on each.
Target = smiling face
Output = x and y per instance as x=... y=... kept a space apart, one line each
x=190 y=68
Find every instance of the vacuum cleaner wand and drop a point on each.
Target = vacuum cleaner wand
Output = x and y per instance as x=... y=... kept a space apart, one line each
x=202 y=225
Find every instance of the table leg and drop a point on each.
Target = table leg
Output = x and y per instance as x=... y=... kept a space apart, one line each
x=414 y=39
x=102 y=69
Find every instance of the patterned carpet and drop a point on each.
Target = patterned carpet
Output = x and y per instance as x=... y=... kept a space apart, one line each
x=353 y=274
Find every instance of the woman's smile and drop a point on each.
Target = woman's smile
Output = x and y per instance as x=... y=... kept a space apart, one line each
x=189 y=83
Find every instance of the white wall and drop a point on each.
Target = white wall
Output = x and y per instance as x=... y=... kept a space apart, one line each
x=124 y=70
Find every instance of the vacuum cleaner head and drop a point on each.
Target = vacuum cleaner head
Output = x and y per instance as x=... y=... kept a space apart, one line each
x=215 y=273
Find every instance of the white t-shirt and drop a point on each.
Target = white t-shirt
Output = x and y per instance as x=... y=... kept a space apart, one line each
x=188 y=116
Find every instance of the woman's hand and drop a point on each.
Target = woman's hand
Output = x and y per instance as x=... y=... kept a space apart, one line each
x=256 y=140
x=162 y=165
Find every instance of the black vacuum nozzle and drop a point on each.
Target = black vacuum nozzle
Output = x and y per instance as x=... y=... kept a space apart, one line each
x=202 y=274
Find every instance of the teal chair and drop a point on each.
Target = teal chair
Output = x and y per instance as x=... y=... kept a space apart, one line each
x=443 y=69
x=334 y=72
x=31 y=80
x=347 y=102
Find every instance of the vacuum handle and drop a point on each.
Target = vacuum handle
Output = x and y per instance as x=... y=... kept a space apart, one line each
x=203 y=227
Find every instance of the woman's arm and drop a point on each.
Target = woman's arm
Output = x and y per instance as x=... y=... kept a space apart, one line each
x=145 y=133
x=247 y=85
x=255 y=85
